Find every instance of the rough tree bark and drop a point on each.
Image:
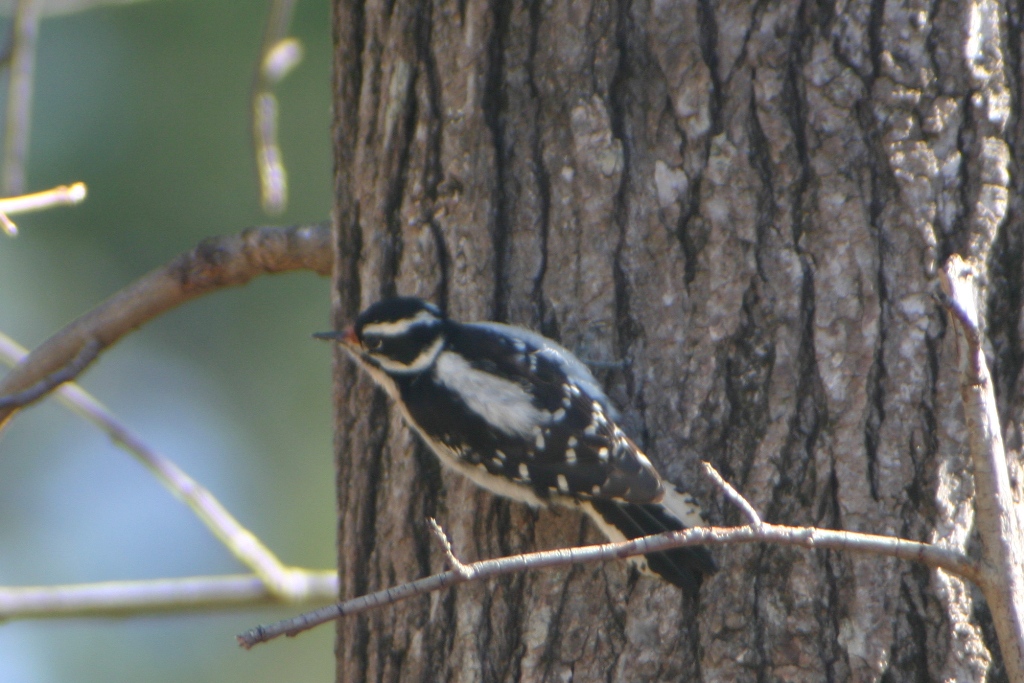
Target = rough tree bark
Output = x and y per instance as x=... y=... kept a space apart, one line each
x=737 y=209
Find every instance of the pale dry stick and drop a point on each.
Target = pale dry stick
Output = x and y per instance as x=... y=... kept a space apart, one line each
x=446 y=545
x=7 y=226
x=131 y=598
x=19 y=95
x=286 y=583
x=732 y=495
x=806 y=537
x=62 y=195
x=47 y=199
x=279 y=55
x=273 y=175
x=213 y=265
x=1002 y=544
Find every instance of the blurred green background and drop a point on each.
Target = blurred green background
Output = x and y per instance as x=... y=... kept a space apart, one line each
x=148 y=104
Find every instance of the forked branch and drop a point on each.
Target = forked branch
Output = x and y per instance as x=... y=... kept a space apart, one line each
x=1002 y=544
x=275 y=580
x=216 y=263
x=189 y=594
x=755 y=532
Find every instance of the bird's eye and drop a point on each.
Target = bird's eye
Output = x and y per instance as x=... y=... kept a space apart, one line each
x=373 y=343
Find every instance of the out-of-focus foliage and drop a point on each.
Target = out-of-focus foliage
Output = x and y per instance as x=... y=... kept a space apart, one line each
x=149 y=105
x=54 y=8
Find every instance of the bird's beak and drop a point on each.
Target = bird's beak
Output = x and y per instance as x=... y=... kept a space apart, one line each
x=347 y=338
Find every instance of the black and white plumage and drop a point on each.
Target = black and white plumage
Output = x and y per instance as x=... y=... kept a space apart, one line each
x=524 y=418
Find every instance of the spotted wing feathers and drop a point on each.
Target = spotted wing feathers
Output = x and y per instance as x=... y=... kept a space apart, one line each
x=574 y=447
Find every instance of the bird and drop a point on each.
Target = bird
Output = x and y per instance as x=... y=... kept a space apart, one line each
x=522 y=417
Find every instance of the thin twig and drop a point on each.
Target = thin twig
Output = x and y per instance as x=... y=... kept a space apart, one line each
x=278 y=56
x=733 y=495
x=273 y=175
x=126 y=598
x=59 y=196
x=446 y=545
x=19 y=95
x=62 y=195
x=282 y=581
x=1002 y=542
x=213 y=265
x=86 y=355
x=807 y=537
x=7 y=226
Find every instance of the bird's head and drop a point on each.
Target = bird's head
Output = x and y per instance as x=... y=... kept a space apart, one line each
x=400 y=335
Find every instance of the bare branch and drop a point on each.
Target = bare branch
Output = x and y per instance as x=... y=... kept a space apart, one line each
x=282 y=581
x=757 y=531
x=86 y=355
x=123 y=598
x=278 y=56
x=273 y=175
x=62 y=195
x=996 y=519
x=446 y=545
x=733 y=495
x=19 y=95
x=7 y=225
x=215 y=264
x=933 y=556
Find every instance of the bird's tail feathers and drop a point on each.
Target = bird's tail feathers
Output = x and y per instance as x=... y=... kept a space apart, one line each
x=683 y=567
x=682 y=505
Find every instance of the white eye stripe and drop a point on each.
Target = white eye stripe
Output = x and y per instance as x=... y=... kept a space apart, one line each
x=418 y=364
x=399 y=327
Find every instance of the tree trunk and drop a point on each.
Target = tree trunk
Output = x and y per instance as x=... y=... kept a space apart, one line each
x=736 y=211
